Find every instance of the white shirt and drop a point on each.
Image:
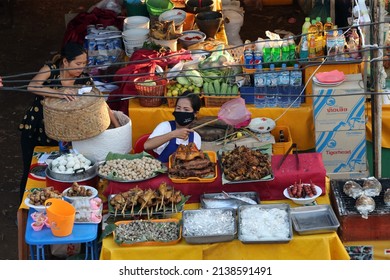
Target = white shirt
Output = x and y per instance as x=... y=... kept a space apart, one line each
x=164 y=128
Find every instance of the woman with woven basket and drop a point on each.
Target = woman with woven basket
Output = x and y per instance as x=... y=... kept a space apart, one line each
x=168 y=135
x=60 y=78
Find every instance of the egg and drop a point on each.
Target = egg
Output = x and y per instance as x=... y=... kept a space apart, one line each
x=70 y=164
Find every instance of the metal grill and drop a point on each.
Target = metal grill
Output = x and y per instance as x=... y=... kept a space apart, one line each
x=346 y=204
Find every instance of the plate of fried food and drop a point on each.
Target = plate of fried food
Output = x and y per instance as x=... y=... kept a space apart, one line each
x=189 y=164
x=163 y=201
x=245 y=165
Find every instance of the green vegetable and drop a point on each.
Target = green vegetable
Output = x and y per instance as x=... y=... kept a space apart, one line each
x=195 y=77
x=205 y=87
x=183 y=81
x=229 y=90
x=224 y=88
x=235 y=89
x=211 y=89
x=217 y=87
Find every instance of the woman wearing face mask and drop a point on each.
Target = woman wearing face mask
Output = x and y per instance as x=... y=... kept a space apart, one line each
x=168 y=135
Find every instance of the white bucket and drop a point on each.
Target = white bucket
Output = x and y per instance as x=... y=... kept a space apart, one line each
x=136 y=22
x=172 y=44
x=116 y=140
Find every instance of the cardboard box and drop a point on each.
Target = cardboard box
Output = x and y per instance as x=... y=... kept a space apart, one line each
x=342 y=151
x=349 y=175
x=335 y=109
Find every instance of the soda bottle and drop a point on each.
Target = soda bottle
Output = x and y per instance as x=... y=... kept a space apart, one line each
x=327 y=26
x=272 y=87
x=285 y=52
x=267 y=53
x=304 y=49
x=284 y=87
x=306 y=25
x=259 y=79
x=275 y=53
x=296 y=87
x=312 y=48
x=320 y=26
x=292 y=47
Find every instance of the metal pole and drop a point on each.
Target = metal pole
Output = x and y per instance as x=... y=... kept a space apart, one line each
x=376 y=99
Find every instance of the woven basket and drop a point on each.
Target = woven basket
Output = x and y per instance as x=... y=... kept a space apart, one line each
x=81 y=119
x=217 y=100
x=150 y=92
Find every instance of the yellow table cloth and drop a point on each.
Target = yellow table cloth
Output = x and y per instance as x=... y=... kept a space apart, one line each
x=299 y=120
x=302 y=247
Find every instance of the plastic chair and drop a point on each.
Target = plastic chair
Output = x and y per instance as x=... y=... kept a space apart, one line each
x=139 y=145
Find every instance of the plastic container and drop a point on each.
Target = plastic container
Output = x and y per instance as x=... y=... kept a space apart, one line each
x=260 y=89
x=272 y=87
x=61 y=215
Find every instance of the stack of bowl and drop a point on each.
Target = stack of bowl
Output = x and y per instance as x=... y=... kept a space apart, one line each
x=134 y=38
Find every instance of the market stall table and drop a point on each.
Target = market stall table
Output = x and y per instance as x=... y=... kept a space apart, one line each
x=325 y=246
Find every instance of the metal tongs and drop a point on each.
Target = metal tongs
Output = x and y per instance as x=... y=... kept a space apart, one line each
x=295 y=152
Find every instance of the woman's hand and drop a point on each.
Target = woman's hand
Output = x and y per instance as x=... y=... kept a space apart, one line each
x=182 y=133
x=1 y=82
x=69 y=94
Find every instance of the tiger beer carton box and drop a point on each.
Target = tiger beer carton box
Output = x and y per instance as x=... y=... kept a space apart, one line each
x=343 y=152
x=339 y=107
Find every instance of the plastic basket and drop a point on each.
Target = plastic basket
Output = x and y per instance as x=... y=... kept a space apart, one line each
x=217 y=100
x=146 y=90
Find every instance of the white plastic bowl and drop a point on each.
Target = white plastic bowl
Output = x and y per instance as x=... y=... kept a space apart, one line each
x=306 y=200
x=136 y=22
x=72 y=198
x=135 y=34
x=191 y=37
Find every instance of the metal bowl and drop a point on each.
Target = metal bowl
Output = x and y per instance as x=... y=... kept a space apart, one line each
x=79 y=175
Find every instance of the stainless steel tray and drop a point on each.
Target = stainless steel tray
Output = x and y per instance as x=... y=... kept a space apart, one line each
x=218 y=200
x=267 y=207
x=202 y=239
x=314 y=219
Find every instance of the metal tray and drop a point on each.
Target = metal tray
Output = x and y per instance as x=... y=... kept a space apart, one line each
x=314 y=219
x=216 y=200
x=281 y=206
x=202 y=239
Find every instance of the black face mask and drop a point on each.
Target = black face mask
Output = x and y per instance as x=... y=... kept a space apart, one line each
x=184 y=118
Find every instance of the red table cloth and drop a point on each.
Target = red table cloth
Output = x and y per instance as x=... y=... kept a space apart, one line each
x=311 y=168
